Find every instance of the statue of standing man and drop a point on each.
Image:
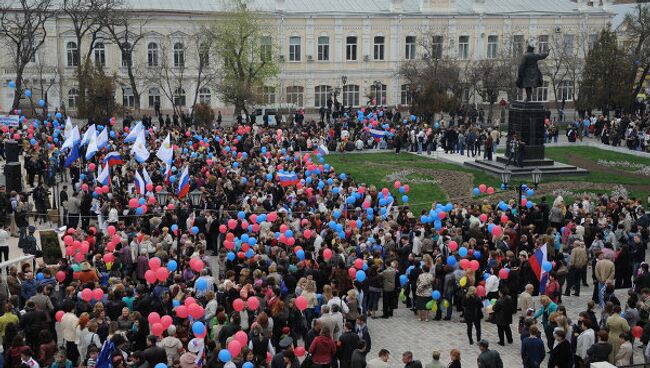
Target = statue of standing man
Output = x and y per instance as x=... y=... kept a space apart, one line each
x=529 y=76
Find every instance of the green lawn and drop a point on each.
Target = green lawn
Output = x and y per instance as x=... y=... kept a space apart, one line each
x=372 y=169
x=561 y=154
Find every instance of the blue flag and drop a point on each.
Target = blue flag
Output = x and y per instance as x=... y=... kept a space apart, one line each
x=105 y=359
x=73 y=156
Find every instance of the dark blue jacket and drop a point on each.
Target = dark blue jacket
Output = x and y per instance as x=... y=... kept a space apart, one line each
x=532 y=352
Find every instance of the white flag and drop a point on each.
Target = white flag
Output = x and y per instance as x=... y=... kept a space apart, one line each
x=87 y=134
x=139 y=149
x=165 y=152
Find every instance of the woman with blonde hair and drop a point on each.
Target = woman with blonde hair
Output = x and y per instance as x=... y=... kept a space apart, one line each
x=327 y=293
x=309 y=293
x=353 y=306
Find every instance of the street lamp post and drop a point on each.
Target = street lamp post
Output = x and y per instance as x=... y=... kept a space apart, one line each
x=378 y=94
x=505 y=180
x=161 y=197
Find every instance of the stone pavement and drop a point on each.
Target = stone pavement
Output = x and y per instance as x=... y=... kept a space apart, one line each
x=406 y=332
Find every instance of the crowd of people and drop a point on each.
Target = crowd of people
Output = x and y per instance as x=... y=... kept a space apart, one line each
x=631 y=131
x=285 y=261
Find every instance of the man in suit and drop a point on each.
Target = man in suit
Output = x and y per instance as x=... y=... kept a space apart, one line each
x=488 y=358
x=346 y=345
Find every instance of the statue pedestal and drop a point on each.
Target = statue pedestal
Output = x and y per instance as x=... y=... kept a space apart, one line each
x=526 y=120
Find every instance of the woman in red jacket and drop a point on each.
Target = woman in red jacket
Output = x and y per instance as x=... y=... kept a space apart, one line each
x=322 y=349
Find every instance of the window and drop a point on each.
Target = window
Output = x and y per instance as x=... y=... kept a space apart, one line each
x=205 y=96
x=351 y=48
x=379 y=94
x=72 y=53
x=379 y=48
x=128 y=100
x=410 y=48
x=568 y=44
x=593 y=38
x=294 y=48
x=351 y=95
x=542 y=44
x=204 y=55
x=565 y=91
x=518 y=44
x=323 y=48
x=540 y=94
x=294 y=95
x=152 y=54
x=321 y=94
x=492 y=47
x=126 y=54
x=179 y=55
x=268 y=95
x=73 y=94
x=436 y=47
x=266 y=48
x=154 y=97
x=179 y=97
x=100 y=54
x=463 y=47
x=405 y=94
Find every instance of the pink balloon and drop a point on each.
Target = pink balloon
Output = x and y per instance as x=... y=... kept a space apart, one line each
x=196 y=311
x=87 y=294
x=482 y=188
x=396 y=184
x=483 y=217
x=166 y=321
x=497 y=231
x=189 y=301
x=153 y=317
x=453 y=246
x=504 y=219
x=149 y=187
x=327 y=253
x=358 y=263
x=234 y=347
x=181 y=311
x=301 y=303
x=352 y=272
x=272 y=216
x=157 y=329
x=91 y=167
x=442 y=215
x=60 y=276
x=154 y=263
x=241 y=337
x=299 y=351
x=474 y=265
x=464 y=263
x=238 y=305
x=490 y=190
x=503 y=274
x=158 y=188
x=111 y=230
x=59 y=316
x=232 y=224
x=150 y=276
x=480 y=291
x=252 y=303
x=162 y=274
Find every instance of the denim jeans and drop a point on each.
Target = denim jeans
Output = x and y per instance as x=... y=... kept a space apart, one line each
x=601 y=294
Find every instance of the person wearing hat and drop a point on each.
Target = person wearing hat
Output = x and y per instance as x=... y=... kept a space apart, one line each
x=286 y=352
x=488 y=358
x=190 y=357
x=87 y=274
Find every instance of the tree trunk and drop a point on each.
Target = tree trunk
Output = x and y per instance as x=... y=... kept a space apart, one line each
x=18 y=91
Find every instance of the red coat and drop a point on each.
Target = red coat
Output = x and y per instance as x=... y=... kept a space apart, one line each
x=322 y=350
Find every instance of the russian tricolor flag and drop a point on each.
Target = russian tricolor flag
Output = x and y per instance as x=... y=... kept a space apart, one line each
x=323 y=150
x=377 y=134
x=536 y=261
x=287 y=178
x=113 y=158
x=104 y=177
x=140 y=186
x=183 y=184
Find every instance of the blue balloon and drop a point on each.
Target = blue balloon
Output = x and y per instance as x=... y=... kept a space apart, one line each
x=160 y=365
x=176 y=303
x=172 y=179
x=241 y=214
x=476 y=191
x=547 y=266
x=477 y=254
x=58 y=115
x=288 y=233
x=32 y=141
x=250 y=253
x=41 y=103
x=198 y=328
x=361 y=275
x=490 y=227
x=403 y=280
x=462 y=252
x=300 y=254
x=437 y=225
x=402 y=190
x=405 y=198
x=12 y=84
x=486 y=276
x=174 y=227
x=230 y=256
x=172 y=265
x=202 y=285
x=141 y=201
x=435 y=295
x=28 y=93
x=138 y=211
x=269 y=176
x=342 y=176
x=529 y=204
x=359 y=223
x=530 y=192
x=248 y=365
x=40 y=276
x=451 y=260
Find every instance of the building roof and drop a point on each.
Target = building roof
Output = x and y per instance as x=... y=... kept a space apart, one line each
x=620 y=11
x=367 y=6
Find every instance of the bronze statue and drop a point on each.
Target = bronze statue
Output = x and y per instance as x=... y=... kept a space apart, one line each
x=529 y=76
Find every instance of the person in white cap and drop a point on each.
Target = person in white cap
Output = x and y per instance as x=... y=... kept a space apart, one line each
x=190 y=358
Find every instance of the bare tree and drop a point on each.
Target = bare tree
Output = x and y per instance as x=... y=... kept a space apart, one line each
x=636 y=27
x=127 y=31
x=489 y=78
x=22 y=26
x=199 y=56
x=170 y=72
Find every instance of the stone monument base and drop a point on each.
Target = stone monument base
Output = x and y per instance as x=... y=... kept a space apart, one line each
x=546 y=166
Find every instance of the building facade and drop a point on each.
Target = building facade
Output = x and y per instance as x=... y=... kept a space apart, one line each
x=355 y=48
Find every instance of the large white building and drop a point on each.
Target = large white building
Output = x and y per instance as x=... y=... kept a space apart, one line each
x=356 y=46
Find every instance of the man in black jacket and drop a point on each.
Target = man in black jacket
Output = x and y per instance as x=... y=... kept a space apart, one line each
x=359 y=356
x=503 y=316
x=347 y=344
